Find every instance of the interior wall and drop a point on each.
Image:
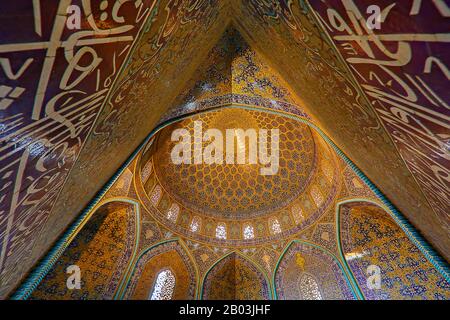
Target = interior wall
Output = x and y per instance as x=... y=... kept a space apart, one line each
x=303 y=258
x=58 y=82
x=54 y=82
x=370 y=237
x=289 y=35
x=147 y=98
x=404 y=73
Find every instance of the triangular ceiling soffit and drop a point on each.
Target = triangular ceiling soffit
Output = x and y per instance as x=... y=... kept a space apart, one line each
x=235 y=74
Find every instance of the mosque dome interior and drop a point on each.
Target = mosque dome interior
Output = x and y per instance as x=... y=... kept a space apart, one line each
x=224 y=150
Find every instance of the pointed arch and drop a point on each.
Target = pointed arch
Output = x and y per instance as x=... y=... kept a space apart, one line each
x=296 y=259
x=168 y=254
x=94 y=233
x=367 y=233
x=309 y=287
x=432 y=255
x=263 y=285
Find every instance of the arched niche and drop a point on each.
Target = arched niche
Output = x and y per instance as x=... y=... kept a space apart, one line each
x=102 y=249
x=306 y=272
x=373 y=244
x=171 y=256
x=235 y=278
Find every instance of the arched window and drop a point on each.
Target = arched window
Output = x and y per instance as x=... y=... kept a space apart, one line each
x=316 y=195
x=221 y=231
x=164 y=286
x=275 y=226
x=309 y=289
x=297 y=213
x=172 y=213
x=248 y=231
x=156 y=195
x=195 y=224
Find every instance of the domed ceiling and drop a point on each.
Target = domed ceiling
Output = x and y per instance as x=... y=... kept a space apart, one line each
x=238 y=191
x=237 y=196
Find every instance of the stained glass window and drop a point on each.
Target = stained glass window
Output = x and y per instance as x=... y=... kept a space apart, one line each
x=275 y=226
x=309 y=289
x=248 y=231
x=195 y=224
x=316 y=195
x=164 y=286
x=221 y=231
x=297 y=214
x=156 y=195
x=172 y=213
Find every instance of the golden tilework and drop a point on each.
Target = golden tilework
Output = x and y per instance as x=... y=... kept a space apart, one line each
x=72 y=111
x=194 y=215
x=101 y=251
x=238 y=191
x=369 y=236
x=303 y=259
x=234 y=278
x=234 y=73
x=231 y=197
x=165 y=256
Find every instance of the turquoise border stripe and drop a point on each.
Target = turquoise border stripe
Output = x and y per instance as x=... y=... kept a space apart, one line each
x=42 y=268
x=438 y=262
x=44 y=265
x=132 y=268
x=344 y=261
